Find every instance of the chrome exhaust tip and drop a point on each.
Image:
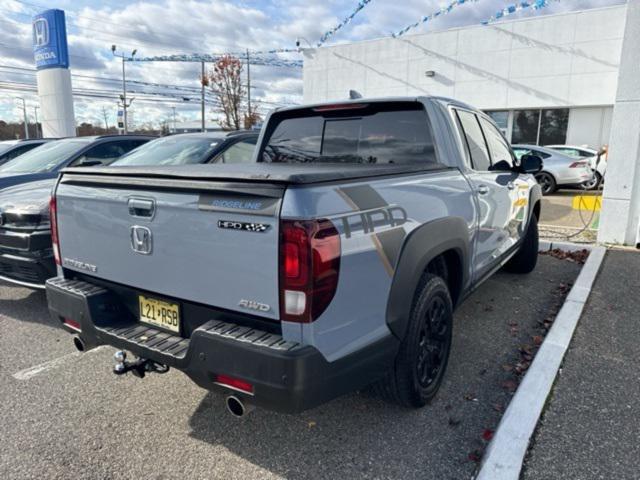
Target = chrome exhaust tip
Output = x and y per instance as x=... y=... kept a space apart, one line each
x=79 y=344
x=237 y=407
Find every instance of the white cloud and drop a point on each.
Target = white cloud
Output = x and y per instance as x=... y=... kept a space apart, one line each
x=186 y=26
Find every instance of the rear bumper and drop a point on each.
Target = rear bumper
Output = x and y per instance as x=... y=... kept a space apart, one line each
x=26 y=270
x=286 y=376
x=574 y=176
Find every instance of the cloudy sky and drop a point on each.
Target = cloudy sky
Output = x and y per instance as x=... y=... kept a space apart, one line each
x=163 y=27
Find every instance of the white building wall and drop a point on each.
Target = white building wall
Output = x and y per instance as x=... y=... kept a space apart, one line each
x=589 y=126
x=569 y=59
x=620 y=220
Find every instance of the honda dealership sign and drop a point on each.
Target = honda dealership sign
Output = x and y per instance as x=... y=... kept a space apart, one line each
x=50 y=40
x=50 y=53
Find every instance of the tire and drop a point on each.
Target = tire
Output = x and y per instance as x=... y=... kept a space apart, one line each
x=547 y=183
x=593 y=184
x=525 y=260
x=414 y=380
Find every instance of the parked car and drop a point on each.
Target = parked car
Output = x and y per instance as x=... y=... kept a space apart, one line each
x=559 y=170
x=26 y=255
x=597 y=159
x=48 y=159
x=191 y=148
x=10 y=149
x=333 y=261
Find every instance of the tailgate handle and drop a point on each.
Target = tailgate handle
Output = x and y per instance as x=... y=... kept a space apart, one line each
x=142 y=207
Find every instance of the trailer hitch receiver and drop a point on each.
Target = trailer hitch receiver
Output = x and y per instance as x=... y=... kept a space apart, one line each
x=139 y=367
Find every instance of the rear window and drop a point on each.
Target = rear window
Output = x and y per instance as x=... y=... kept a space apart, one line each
x=354 y=133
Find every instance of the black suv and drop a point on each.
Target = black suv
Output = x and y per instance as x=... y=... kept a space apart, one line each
x=26 y=257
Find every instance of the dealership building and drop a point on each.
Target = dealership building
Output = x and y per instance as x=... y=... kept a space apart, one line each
x=546 y=79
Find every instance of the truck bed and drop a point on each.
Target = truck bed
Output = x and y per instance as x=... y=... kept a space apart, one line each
x=274 y=173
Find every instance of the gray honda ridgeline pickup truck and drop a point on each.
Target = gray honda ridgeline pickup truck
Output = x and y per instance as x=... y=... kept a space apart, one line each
x=333 y=261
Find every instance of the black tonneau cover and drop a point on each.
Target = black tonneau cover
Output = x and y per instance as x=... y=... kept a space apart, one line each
x=274 y=173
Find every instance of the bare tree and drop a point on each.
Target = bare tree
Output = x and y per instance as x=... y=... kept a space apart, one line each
x=251 y=118
x=226 y=82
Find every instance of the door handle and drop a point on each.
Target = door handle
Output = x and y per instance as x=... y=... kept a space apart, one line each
x=482 y=189
x=511 y=185
x=141 y=207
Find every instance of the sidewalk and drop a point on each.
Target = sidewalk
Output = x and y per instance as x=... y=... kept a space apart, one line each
x=591 y=426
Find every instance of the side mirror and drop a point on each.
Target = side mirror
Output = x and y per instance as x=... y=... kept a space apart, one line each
x=530 y=164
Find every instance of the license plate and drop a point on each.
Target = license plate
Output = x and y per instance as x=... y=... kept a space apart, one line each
x=159 y=313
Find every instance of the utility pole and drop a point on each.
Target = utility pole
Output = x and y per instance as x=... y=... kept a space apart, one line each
x=124 y=85
x=104 y=114
x=24 y=112
x=202 y=81
x=35 y=114
x=174 y=119
x=249 y=87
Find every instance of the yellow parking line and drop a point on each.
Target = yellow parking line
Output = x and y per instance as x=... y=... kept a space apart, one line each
x=590 y=203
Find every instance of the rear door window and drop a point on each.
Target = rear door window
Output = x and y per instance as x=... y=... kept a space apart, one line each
x=475 y=141
x=501 y=157
x=396 y=133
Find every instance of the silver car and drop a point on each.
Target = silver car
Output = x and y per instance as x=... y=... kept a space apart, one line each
x=597 y=160
x=558 y=170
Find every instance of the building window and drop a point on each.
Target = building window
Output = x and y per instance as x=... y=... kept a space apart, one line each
x=501 y=117
x=525 y=126
x=553 y=126
x=540 y=127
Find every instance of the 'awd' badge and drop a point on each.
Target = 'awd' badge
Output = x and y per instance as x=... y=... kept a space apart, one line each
x=250 y=304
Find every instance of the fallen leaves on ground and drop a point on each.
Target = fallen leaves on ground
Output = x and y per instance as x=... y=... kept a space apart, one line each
x=579 y=256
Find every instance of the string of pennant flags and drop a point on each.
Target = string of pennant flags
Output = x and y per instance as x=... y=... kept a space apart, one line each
x=256 y=59
x=427 y=18
x=344 y=22
x=517 y=7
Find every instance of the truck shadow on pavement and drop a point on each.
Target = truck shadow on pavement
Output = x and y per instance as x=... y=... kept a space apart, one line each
x=360 y=436
x=25 y=304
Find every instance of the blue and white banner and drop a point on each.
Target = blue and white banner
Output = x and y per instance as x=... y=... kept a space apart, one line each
x=427 y=18
x=516 y=7
x=50 y=40
x=344 y=22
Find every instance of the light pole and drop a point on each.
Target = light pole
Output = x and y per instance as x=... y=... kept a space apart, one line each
x=124 y=83
x=174 y=119
x=35 y=115
x=24 y=112
x=203 y=80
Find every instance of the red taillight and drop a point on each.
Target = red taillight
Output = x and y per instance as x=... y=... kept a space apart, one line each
x=578 y=164
x=234 y=383
x=72 y=324
x=54 y=229
x=309 y=268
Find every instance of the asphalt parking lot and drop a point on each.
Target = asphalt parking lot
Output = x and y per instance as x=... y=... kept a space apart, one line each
x=557 y=210
x=70 y=417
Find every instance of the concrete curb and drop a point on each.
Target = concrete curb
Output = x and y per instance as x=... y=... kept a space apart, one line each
x=545 y=245
x=505 y=454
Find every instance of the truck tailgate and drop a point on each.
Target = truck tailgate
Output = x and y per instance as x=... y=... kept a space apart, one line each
x=213 y=243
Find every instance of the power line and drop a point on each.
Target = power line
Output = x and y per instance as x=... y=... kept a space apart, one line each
x=191 y=90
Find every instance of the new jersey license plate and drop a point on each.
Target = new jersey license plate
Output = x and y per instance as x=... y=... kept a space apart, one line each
x=159 y=313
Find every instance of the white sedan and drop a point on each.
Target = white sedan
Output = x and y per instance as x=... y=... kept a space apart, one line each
x=597 y=160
